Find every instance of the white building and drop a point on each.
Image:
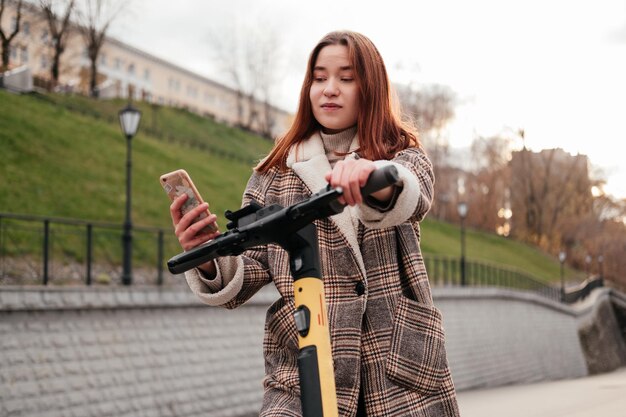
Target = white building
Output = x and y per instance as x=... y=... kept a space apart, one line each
x=126 y=71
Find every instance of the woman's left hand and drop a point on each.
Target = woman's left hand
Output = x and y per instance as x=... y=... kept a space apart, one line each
x=351 y=175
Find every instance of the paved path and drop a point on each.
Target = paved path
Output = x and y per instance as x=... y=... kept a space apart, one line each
x=595 y=396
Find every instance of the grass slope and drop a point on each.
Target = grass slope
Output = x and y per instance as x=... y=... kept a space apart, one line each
x=65 y=156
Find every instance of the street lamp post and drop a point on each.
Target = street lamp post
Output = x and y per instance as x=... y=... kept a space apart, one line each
x=129 y=121
x=562 y=257
x=600 y=267
x=462 y=209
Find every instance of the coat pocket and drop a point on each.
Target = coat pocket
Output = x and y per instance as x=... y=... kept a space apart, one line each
x=280 y=348
x=417 y=356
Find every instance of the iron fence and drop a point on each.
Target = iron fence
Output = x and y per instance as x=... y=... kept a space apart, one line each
x=446 y=271
x=48 y=250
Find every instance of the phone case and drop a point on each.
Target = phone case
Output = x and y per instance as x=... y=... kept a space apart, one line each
x=179 y=182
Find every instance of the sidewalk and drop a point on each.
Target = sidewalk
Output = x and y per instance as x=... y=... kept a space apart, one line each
x=595 y=396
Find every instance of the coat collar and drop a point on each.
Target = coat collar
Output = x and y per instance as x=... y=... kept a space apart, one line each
x=308 y=160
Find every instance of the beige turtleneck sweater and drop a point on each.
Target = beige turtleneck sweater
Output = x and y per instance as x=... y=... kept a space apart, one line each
x=337 y=143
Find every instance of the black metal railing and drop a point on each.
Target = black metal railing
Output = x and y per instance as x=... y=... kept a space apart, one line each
x=43 y=250
x=573 y=294
x=446 y=271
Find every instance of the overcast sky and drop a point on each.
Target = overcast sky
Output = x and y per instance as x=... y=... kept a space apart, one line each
x=556 y=68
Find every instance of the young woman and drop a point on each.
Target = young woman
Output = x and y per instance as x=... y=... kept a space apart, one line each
x=387 y=337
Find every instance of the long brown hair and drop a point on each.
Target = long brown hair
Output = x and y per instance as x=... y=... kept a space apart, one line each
x=381 y=131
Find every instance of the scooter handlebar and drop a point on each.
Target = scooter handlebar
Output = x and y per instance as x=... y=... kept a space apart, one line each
x=236 y=241
x=379 y=179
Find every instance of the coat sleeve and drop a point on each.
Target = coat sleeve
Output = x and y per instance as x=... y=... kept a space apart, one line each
x=415 y=196
x=238 y=277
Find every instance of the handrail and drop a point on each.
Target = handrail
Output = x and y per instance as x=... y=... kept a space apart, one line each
x=442 y=270
x=446 y=270
x=72 y=221
x=581 y=291
x=46 y=241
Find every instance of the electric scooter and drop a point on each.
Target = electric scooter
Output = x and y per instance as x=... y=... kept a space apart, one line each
x=292 y=228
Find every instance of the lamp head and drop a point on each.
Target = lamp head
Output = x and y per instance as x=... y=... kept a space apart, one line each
x=129 y=120
x=462 y=208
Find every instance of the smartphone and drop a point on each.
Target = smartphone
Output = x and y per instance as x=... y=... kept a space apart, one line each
x=178 y=182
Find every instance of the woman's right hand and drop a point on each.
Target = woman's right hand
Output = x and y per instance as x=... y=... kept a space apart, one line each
x=189 y=233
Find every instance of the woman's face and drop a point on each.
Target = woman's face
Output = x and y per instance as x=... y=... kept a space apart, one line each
x=334 y=93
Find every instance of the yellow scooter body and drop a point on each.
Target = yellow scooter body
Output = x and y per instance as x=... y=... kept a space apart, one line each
x=315 y=360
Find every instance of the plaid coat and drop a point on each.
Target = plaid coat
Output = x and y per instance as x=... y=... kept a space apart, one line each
x=386 y=334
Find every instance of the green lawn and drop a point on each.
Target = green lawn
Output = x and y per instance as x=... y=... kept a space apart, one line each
x=65 y=156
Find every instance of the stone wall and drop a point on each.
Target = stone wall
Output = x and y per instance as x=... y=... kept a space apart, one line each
x=601 y=333
x=157 y=352
x=136 y=352
x=497 y=337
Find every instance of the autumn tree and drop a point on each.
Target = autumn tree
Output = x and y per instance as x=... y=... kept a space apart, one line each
x=58 y=19
x=547 y=187
x=601 y=235
x=6 y=37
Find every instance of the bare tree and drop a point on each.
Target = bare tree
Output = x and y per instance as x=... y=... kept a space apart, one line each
x=7 y=37
x=491 y=153
x=250 y=58
x=596 y=237
x=96 y=17
x=548 y=187
x=267 y=73
x=431 y=107
x=491 y=205
x=58 y=26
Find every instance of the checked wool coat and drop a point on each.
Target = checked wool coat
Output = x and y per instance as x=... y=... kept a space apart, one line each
x=387 y=336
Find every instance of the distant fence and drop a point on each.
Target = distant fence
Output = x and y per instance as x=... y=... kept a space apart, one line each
x=47 y=250
x=446 y=271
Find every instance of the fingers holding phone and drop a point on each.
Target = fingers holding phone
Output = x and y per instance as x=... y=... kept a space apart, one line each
x=190 y=231
x=193 y=222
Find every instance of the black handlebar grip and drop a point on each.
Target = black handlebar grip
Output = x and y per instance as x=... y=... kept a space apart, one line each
x=379 y=179
x=185 y=261
x=182 y=262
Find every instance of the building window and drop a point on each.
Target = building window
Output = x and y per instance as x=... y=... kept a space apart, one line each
x=131 y=69
x=146 y=74
x=26 y=28
x=103 y=59
x=44 y=36
x=44 y=62
x=24 y=54
x=14 y=52
x=118 y=63
x=208 y=97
